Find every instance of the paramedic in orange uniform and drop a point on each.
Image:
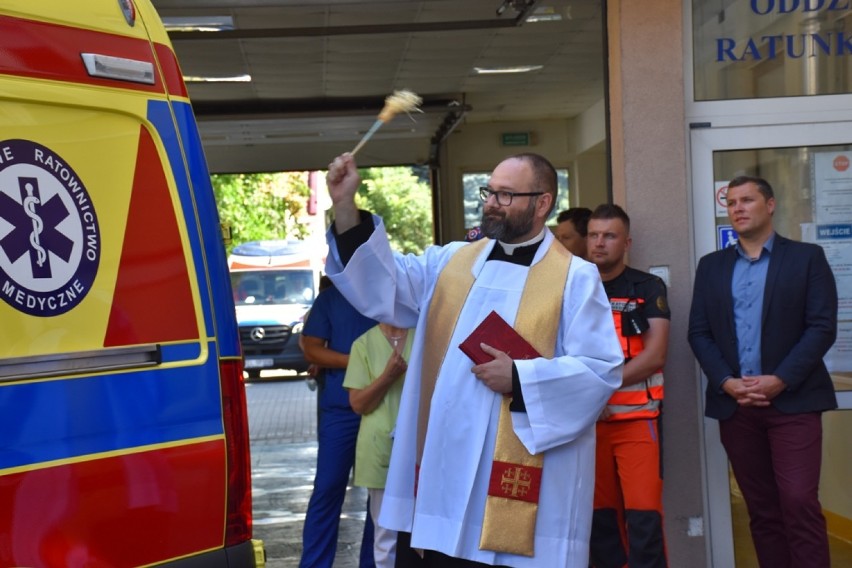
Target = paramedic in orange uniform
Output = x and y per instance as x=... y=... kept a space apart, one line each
x=627 y=525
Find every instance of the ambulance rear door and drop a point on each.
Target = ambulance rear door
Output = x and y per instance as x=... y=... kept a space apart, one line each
x=114 y=451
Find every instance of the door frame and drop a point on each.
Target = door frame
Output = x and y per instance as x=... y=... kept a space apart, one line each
x=705 y=139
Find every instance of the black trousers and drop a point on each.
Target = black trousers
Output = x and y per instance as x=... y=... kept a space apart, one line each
x=407 y=557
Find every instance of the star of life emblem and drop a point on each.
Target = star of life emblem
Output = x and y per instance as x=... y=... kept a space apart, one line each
x=50 y=241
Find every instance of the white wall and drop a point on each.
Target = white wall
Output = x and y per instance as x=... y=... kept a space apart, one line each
x=477 y=148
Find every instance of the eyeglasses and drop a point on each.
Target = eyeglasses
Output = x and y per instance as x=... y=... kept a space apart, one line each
x=504 y=198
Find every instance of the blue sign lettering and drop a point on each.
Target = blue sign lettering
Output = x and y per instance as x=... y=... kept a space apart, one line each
x=837 y=231
x=765 y=7
x=792 y=46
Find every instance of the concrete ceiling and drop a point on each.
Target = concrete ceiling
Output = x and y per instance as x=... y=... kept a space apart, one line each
x=320 y=71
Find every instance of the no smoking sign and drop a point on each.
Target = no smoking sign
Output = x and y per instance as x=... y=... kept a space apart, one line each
x=721 y=190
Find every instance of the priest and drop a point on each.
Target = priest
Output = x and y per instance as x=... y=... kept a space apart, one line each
x=492 y=463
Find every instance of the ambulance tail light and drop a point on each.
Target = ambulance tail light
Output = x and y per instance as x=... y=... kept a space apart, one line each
x=239 y=520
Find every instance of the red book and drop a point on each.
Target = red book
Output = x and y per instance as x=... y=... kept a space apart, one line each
x=494 y=331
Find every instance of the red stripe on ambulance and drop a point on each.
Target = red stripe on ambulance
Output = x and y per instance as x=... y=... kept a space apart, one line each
x=171 y=70
x=153 y=300
x=50 y=51
x=113 y=512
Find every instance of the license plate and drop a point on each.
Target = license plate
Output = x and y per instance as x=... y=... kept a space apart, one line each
x=258 y=363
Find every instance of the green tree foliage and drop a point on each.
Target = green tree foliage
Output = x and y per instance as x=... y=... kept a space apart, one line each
x=403 y=201
x=269 y=206
x=261 y=206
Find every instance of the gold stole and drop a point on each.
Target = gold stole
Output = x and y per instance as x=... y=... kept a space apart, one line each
x=512 y=502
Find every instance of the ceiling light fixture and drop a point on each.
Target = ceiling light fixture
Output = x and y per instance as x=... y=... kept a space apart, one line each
x=517 y=5
x=544 y=14
x=501 y=70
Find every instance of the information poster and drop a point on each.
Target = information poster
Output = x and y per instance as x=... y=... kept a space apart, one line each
x=832 y=229
x=833 y=194
x=838 y=357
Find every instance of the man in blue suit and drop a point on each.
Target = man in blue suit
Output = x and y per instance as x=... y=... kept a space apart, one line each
x=764 y=313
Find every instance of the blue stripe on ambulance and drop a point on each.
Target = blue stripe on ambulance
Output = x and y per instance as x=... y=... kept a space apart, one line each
x=112 y=412
x=203 y=204
x=217 y=265
x=159 y=113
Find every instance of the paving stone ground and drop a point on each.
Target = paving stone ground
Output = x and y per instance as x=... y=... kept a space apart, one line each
x=282 y=428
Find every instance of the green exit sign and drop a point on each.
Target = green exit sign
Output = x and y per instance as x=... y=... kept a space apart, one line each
x=516 y=139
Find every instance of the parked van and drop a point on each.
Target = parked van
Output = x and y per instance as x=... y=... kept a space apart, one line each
x=275 y=283
x=124 y=438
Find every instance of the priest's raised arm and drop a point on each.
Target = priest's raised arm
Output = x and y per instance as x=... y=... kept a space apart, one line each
x=450 y=440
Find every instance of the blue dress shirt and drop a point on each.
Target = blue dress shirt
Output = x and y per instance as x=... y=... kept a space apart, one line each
x=747 y=286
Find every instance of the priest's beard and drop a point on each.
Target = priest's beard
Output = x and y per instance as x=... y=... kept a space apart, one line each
x=497 y=224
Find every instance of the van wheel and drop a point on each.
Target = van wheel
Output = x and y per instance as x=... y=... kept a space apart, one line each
x=254 y=374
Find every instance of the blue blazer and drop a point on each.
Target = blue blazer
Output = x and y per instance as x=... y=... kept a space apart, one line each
x=798 y=326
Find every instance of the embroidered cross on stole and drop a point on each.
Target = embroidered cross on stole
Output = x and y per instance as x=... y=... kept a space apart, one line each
x=512 y=502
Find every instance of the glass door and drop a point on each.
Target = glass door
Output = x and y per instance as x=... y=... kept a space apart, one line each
x=810 y=168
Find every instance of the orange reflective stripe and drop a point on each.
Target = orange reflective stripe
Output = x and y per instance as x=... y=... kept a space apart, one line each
x=629 y=398
x=653 y=413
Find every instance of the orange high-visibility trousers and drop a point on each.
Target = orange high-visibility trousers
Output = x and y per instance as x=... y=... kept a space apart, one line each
x=627 y=526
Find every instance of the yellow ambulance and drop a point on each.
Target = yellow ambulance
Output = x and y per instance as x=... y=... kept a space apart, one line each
x=123 y=427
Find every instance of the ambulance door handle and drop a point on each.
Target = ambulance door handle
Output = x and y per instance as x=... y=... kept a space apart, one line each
x=120 y=68
x=80 y=362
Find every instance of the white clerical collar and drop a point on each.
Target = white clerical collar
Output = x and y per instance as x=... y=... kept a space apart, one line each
x=509 y=249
